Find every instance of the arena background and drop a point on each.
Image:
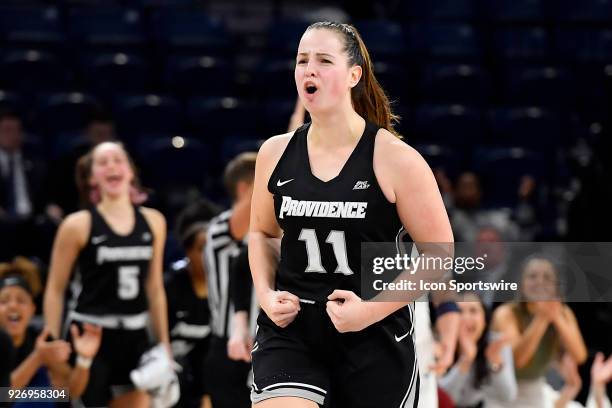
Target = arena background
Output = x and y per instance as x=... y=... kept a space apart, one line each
x=517 y=91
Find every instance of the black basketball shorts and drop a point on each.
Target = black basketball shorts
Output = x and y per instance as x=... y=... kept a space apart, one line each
x=310 y=359
x=109 y=375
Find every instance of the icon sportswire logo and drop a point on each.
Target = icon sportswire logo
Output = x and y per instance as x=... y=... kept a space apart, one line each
x=280 y=183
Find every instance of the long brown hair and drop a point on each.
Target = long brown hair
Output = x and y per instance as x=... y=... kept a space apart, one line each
x=369 y=98
x=90 y=195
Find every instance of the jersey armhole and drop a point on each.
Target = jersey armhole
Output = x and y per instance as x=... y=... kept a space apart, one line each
x=382 y=193
x=270 y=184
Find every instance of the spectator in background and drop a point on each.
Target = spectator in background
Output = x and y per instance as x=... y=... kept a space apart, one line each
x=539 y=328
x=38 y=363
x=188 y=312
x=467 y=214
x=7 y=351
x=21 y=190
x=64 y=195
x=483 y=372
x=601 y=375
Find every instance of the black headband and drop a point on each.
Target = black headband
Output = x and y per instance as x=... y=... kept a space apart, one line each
x=15 y=280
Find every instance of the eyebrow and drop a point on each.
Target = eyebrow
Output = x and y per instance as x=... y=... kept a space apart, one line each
x=320 y=54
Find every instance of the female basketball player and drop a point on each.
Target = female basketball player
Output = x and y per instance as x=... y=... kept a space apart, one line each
x=317 y=342
x=117 y=249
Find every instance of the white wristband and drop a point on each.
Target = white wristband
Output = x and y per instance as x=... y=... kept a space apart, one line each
x=84 y=362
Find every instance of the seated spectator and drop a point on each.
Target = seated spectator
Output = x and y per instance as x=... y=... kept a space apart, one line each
x=601 y=375
x=40 y=361
x=483 y=372
x=6 y=362
x=187 y=292
x=539 y=327
x=467 y=214
x=21 y=192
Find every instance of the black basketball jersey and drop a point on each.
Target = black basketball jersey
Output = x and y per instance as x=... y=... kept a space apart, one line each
x=188 y=314
x=324 y=223
x=221 y=248
x=113 y=268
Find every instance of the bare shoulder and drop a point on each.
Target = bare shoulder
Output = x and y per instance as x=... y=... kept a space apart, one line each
x=567 y=311
x=156 y=219
x=76 y=226
x=504 y=314
x=396 y=152
x=270 y=153
x=274 y=147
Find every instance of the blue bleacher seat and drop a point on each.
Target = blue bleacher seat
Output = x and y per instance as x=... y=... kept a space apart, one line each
x=64 y=112
x=538 y=85
x=38 y=26
x=108 y=73
x=233 y=146
x=113 y=27
x=449 y=124
x=275 y=116
x=582 y=11
x=274 y=78
x=594 y=91
x=534 y=128
x=189 y=29
x=385 y=40
x=521 y=43
x=147 y=114
x=455 y=83
x=214 y=117
x=440 y=157
x=395 y=78
x=32 y=71
x=170 y=161
x=206 y=75
x=501 y=170
x=514 y=11
x=283 y=37
x=446 y=40
x=10 y=100
x=585 y=44
x=439 y=9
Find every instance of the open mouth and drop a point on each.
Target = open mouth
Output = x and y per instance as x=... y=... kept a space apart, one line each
x=311 y=89
x=114 y=179
x=14 y=317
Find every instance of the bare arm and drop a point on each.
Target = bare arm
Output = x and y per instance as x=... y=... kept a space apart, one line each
x=524 y=345
x=70 y=239
x=156 y=294
x=23 y=373
x=407 y=180
x=569 y=332
x=264 y=229
x=280 y=306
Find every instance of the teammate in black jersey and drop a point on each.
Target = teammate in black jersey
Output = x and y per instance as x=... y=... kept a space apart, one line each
x=341 y=180
x=227 y=379
x=188 y=313
x=117 y=249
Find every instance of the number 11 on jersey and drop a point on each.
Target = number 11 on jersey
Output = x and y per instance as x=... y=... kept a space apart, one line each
x=338 y=242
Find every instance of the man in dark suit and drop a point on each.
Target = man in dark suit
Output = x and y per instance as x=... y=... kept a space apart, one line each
x=22 y=192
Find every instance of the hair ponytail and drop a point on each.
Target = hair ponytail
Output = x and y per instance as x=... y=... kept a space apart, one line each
x=369 y=98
